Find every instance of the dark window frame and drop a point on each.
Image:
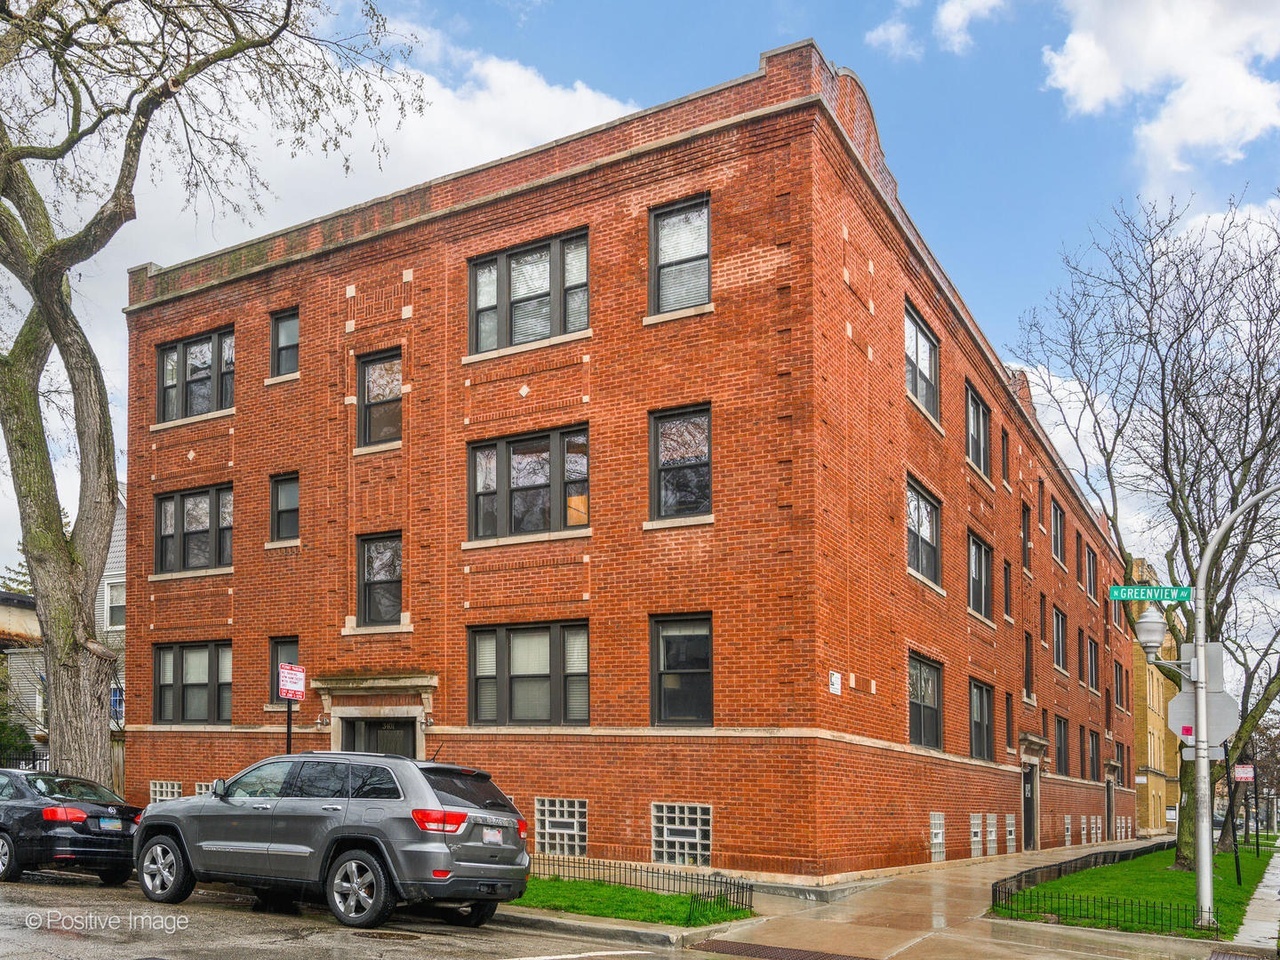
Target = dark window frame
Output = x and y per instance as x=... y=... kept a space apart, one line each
x=1062 y=745
x=1058 y=530
x=1008 y=589
x=278 y=647
x=366 y=586
x=1117 y=670
x=557 y=295
x=561 y=511
x=1095 y=756
x=366 y=409
x=284 y=519
x=921 y=384
x=221 y=377
x=977 y=420
x=558 y=678
x=659 y=671
x=1094 y=679
x=284 y=353
x=980 y=584
x=1091 y=571
x=1026 y=537
x=982 y=733
x=1004 y=454
x=220 y=536
x=1059 y=638
x=657 y=472
x=924 y=722
x=656 y=215
x=917 y=542
x=1028 y=664
x=1080 y=661
x=214 y=684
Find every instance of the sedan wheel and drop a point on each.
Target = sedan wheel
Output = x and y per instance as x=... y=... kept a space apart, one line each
x=163 y=871
x=358 y=891
x=10 y=869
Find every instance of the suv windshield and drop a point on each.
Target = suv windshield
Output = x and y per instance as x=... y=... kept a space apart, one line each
x=70 y=788
x=461 y=789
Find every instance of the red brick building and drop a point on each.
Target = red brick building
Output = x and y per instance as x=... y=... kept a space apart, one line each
x=596 y=466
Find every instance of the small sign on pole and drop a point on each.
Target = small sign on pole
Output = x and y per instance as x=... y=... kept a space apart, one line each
x=1244 y=772
x=293 y=682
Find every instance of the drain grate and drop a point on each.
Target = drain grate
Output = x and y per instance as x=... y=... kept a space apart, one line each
x=762 y=952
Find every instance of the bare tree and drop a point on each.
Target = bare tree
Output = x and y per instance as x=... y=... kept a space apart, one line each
x=1160 y=360
x=90 y=91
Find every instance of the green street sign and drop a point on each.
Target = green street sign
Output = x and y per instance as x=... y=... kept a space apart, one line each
x=1156 y=594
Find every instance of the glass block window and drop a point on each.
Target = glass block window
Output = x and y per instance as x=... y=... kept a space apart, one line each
x=681 y=834
x=975 y=834
x=1084 y=829
x=165 y=790
x=204 y=788
x=937 y=837
x=1066 y=830
x=993 y=834
x=560 y=827
x=1010 y=833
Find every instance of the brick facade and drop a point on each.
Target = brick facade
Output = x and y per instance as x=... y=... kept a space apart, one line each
x=800 y=565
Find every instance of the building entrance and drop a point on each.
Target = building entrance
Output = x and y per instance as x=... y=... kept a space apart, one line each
x=379 y=736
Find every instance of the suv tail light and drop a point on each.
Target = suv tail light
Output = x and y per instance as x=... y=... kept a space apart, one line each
x=522 y=826
x=439 y=821
x=65 y=814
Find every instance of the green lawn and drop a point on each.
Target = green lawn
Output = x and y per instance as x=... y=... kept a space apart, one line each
x=1151 y=879
x=595 y=899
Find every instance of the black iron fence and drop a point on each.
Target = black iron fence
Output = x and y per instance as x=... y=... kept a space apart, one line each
x=706 y=891
x=1016 y=896
x=31 y=760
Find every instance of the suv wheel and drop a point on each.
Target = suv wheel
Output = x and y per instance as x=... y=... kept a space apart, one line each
x=476 y=915
x=10 y=869
x=358 y=890
x=163 y=871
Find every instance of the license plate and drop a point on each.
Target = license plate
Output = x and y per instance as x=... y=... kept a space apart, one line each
x=110 y=823
x=493 y=835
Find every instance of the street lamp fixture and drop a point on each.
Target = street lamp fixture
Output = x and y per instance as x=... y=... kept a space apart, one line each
x=1150 y=628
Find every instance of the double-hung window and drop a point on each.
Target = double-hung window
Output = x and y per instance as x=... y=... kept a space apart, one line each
x=978 y=447
x=924 y=533
x=1091 y=572
x=530 y=484
x=284 y=507
x=1062 y=748
x=680 y=256
x=924 y=691
x=379 y=398
x=681 y=670
x=1026 y=537
x=284 y=343
x=283 y=650
x=1058 y=531
x=115 y=606
x=529 y=294
x=380 y=579
x=981 y=725
x=193 y=683
x=196 y=376
x=1093 y=664
x=680 y=463
x=922 y=360
x=193 y=530
x=1059 y=639
x=535 y=674
x=979 y=577
x=1118 y=670
x=1095 y=756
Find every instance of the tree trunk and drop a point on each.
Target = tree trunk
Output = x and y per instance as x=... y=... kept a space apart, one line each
x=1185 y=855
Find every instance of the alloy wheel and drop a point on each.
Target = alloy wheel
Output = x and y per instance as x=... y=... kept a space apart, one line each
x=159 y=869
x=354 y=889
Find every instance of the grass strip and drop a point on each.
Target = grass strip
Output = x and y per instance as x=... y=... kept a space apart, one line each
x=595 y=899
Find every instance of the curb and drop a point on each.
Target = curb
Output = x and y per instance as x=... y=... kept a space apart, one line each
x=646 y=934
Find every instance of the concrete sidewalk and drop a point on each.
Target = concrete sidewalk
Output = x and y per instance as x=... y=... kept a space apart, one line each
x=1262 y=919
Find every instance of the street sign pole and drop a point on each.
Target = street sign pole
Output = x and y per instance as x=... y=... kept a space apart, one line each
x=288 y=726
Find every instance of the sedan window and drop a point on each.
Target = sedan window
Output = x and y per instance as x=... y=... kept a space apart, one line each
x=70 y=788
x=264 y=781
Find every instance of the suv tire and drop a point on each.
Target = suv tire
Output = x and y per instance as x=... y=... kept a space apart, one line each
x=163 y=871
x=358 y=891
x=476 y=915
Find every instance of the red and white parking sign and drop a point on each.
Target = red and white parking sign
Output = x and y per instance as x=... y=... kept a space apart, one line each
x=293 y=682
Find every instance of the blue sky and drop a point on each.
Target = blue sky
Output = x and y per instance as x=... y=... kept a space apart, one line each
x=1012 y=126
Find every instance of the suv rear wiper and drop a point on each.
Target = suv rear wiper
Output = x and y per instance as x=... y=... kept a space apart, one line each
x=490 y=804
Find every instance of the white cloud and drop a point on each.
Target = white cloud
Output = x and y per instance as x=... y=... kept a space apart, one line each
x=1193 y=68
x=482 y=108
x=894 y=38
x=953 y=17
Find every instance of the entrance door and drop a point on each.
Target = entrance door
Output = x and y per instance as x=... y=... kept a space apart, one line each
x=379 y=736
x=1111 y=809
x=1029 y=817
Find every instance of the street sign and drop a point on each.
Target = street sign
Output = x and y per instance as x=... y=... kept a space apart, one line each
x=1224 y=716
x=1149 y=593
x=1213 y=663
x=1244 y=772
x=1215 y=753
x=293 y=682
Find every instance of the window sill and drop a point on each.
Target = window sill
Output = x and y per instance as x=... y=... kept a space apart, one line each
x=1026 y=571
x=1009 y=620
x=281 y=544
x=377 y=448
x=681 y=314
x=377 y=629
x=574 y=534
x=526 y=347
x=283 y=378
x=1029 y=700
x=981 y=619
x=933 y=421
x=1061 y=670
x=927 y=582
x=1059 y=562
x=981 y=475
x=1007 y=488
x=188 y=574
x=201 y=418
x=668 y=523
x=1092 y=599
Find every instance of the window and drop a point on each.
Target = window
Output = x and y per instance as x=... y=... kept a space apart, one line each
x=284 y=507
x=1004 y=454
x=115 y=606
x=1008 y=589
x=379 y=399
x=1058 y=531
x=197 y=376
x=979 y=577
x=1059 y=639
x=1095 y=757
x=530 y=674
x=193 y=530
x=1040 y=502
x=1117 y=613
x=379 y=575
x=1091 y=572
x=529 y=294
x=1093 y=664
x=1008 y=720
x=923 y=533
x=1026 y=537
x=1080 y=653
x=1062 y=754
x=283 y=650
x=1079 y=559
x=681 y=834
x=165 y=790
x=978 y=449
x=681 y=680
x=922 y=361
x=1028 y=664
x=1118 y=670
x=560 y=827
x=1043 y=621
x=117 y=704
x=530 y=484
x=680 y=463
x=1084 y=755
x=981 y=725
x=680 y=256
x=924 y=690
x=284 y=343
x=193 y=683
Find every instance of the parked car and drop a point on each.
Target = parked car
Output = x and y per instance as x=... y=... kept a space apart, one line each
x=48 y=820
x=365 y=831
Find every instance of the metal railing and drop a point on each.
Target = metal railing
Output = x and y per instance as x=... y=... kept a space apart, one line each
x=706 y=891
x=31 y=760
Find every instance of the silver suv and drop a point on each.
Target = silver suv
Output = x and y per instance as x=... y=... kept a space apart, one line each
x=365 y=830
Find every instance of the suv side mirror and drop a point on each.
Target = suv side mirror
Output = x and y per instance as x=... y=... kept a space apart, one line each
x=219 y=788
